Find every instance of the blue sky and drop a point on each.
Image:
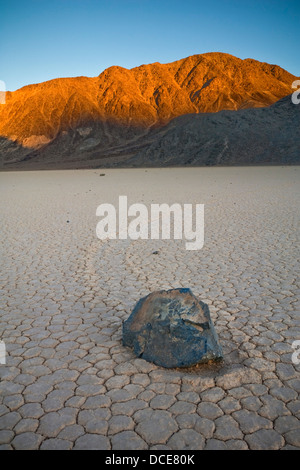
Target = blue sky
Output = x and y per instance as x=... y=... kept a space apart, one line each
x=41 y=40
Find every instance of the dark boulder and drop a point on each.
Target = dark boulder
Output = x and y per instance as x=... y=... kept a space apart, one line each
x=172 y=329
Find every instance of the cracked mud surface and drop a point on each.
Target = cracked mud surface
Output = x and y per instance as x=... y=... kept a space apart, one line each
x=68 y=382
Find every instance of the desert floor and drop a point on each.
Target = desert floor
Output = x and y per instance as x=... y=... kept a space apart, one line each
x=68 y=382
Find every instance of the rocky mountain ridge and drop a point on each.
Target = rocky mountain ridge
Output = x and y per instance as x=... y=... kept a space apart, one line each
x=115 y=117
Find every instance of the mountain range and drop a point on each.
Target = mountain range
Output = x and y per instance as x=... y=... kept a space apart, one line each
x=207 y=109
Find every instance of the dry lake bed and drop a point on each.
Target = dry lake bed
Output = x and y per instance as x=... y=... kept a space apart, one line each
x=68 y=382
